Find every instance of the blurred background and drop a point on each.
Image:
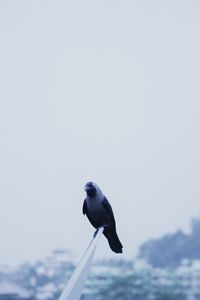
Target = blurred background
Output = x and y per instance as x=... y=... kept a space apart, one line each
x=103 y=91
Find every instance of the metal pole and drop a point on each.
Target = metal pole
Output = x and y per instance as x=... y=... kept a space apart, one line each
x=74 y=287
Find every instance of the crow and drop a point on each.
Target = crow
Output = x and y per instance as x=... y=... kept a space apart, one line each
x=99 y=212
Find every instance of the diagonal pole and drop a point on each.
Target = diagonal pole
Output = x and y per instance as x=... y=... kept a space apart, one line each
x=74 y=287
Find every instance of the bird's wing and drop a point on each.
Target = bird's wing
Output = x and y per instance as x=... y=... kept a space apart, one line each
x=85 y=212
x=84 y=209
x=108 y=208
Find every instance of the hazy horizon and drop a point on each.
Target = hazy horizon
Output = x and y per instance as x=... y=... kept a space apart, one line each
x=104 y=91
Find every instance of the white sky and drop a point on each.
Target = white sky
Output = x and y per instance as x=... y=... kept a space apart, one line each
x=106 y=91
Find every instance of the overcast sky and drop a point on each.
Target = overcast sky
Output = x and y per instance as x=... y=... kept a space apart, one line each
x=106 y=91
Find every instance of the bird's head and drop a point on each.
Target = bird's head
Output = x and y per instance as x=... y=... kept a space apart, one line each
x=90 y=189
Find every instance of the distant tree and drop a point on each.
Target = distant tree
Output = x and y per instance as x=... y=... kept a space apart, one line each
x=171 y=249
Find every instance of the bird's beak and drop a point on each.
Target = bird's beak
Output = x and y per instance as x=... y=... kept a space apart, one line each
x=86 y=188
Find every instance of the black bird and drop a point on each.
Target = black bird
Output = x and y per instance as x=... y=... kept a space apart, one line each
x=99 y=212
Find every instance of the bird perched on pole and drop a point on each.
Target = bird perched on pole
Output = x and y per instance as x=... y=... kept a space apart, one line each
x=99 y=212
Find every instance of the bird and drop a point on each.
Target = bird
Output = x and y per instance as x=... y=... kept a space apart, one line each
x=100 y=214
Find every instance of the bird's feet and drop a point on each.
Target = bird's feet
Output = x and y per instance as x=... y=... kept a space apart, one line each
x=95 y=233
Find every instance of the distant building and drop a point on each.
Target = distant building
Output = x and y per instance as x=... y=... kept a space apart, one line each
x=12 y=291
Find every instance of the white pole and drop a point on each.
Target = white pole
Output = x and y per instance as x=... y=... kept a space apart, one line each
x=75 y=285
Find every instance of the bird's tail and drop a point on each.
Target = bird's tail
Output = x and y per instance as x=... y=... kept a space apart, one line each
x=113 y=240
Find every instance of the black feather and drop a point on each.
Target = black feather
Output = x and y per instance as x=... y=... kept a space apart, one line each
x=113 y=240
x=85 y=212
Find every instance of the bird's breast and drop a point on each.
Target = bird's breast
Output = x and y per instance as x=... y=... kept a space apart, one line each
x=97 y=211
x=94 y=205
